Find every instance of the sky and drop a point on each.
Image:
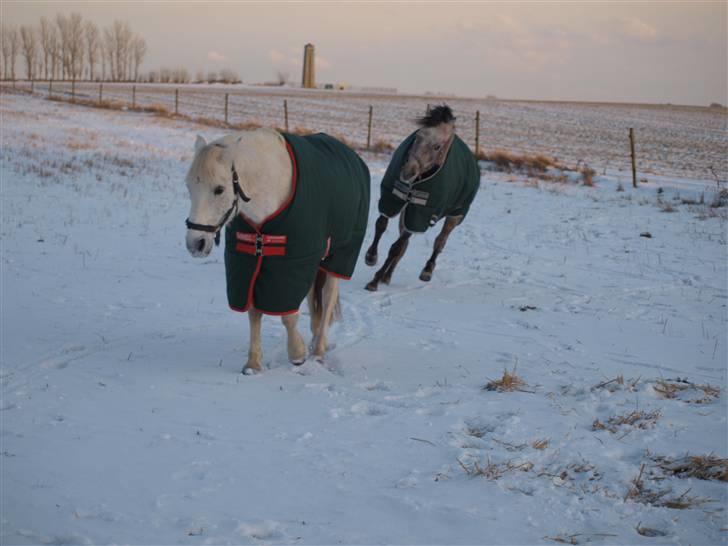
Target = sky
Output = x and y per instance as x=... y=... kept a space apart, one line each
x=653 y=52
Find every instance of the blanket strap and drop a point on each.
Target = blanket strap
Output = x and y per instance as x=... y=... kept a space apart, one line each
x=258 y=244
x=406 y=193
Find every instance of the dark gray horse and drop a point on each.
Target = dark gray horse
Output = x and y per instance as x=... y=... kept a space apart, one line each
x=432 y=174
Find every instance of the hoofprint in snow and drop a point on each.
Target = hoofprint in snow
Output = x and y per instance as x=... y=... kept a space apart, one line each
x=125 y=418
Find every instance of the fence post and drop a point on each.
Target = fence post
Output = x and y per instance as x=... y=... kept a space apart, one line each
x=369 y=128
x=50 y=87
x=427 y=112
x=101 y=93
x=31 y=85
x=73 y=90
x=634 y=160
x=477 y=133
x=285 y=113
x=133 y=97
x=226 y=108
x=176 y=102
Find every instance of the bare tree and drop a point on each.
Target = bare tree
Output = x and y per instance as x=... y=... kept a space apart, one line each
x=139 y=50
x=211 y=76
x=92 y=37
x=75 y=45
x=200 y=78
x=46 y=36
x=14 y=48
x=103 y=56
x=62 y=25
x=5 y=35
x=29 y=44
x=229 y=76
x=282 y=77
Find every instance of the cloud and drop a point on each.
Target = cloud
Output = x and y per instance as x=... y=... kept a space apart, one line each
x=276 y=56
x=216 y=57
x=637 y=29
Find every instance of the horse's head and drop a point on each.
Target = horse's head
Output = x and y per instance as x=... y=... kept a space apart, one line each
x=432 y=142
x=214 y=191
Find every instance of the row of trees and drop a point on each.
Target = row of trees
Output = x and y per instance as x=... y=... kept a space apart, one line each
x=69 y=48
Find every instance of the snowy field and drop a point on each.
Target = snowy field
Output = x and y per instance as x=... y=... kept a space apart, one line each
x=681 y=141
x=124 y=418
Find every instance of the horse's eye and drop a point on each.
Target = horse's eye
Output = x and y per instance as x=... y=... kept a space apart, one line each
x=436 y=146
x=219 y=190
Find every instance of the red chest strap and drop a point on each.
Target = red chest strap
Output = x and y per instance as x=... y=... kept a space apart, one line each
x=258 y=244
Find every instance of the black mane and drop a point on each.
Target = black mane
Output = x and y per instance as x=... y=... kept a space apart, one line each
x=436 y=116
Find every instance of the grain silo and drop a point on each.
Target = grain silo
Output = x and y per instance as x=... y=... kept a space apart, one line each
x=309 y=77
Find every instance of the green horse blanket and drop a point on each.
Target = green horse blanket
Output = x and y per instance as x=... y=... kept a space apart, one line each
x=271 y=266
x=447 y=192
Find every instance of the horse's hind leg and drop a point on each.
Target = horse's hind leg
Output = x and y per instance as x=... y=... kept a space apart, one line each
x=380 y=227
x=395 y=252
x=329 y=306
x=296 y=345
x=451 y=223
x=255 y=353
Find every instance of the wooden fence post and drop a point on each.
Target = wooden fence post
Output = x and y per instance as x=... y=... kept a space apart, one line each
x=31 y=85
x=226 y=108
x=285 y=113
x=176 y=102
x=50 y=87
x=634 y=159
x=477 y=133
x=133 y=97
x=73 y=90
x=427 y=112
x=369 y=128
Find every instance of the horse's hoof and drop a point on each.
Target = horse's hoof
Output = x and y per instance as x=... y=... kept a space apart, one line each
x=370 y=259
x=426 y=275
x=248 y=370
x=298 y=361
x=372 y=286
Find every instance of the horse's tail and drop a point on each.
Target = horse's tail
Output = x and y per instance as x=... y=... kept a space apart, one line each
x=317 y=299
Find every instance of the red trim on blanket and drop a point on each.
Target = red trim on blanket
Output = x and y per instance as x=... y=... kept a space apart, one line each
x=271 y=313
x=344 y=277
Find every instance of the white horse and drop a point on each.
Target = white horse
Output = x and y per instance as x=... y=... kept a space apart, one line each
x=251 y=174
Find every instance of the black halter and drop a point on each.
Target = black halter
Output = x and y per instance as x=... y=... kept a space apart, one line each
x=237 y=192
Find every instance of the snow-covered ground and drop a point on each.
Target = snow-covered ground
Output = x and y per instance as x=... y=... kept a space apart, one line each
x=124 y=418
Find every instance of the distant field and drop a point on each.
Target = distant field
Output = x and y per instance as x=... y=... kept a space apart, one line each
x=671 y=140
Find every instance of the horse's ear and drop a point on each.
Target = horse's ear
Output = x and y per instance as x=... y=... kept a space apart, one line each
x=199 y=143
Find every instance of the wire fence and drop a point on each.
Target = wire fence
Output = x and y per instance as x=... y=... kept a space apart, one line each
x=678 y=141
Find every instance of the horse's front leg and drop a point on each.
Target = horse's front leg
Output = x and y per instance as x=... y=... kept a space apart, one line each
x=395 y=253
x=296 y=345
x=380 y=227
x=330 y=299
x=451 y=223
x=387 y=277
x=255 y=353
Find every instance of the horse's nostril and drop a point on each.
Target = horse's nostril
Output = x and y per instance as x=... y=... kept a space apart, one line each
x=201 y=245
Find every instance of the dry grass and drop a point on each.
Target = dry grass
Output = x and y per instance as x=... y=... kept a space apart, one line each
x=382 y=146
x=682 y=389
x=509 y=382
x=510 y=162
x=702 y=467
x=494 y=471
x=636 y=419
x=587 y=175
x=617 y=384
x=667 y=207
x=639 y=492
